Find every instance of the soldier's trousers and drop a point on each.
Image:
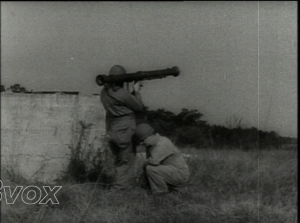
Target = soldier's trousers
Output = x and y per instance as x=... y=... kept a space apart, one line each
x=124 y=166
x=122 y=146
x=163 y=176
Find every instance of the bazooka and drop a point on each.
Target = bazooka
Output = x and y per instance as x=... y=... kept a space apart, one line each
x=138 y=76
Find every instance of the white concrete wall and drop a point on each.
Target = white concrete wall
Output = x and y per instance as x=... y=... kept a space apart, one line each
x=37 y=130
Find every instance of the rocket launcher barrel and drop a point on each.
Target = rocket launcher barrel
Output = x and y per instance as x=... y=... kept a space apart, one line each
x=138 y=76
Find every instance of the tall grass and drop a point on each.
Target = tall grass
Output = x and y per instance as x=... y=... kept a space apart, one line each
x=225 y=186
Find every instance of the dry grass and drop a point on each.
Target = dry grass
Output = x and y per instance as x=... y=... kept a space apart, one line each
x=225 y=186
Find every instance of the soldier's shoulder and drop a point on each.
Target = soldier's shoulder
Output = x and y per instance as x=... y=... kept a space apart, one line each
x=165 y=140
x=121 y=92
x=103 y=90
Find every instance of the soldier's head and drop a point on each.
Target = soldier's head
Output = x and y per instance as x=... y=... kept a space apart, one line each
x=114 y=71
x=145 y=134
x=117 y=70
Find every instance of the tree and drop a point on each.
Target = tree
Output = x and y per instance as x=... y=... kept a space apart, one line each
x=2 y=88
x=189 y=135
x=184 y=129
x=189 y=117
x=16 y=88
x=162 y=121
x=233 y=121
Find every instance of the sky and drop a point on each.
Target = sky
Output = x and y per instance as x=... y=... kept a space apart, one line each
x=235 y=58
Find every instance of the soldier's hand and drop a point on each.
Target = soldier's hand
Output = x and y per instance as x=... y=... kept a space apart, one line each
x=126 y=86
x=137 y=86
x=145 y=163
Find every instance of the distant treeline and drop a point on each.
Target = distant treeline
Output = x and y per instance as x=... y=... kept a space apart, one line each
x=187 y=129
x=16 y=88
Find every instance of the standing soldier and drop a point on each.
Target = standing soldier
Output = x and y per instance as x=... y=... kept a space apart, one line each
x=121 y=107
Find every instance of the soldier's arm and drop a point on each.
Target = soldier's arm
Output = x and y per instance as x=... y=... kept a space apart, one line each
x=158 y=154
x=134 y=101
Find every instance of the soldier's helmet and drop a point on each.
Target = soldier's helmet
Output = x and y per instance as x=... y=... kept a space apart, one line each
x=143 y=131
x=117 y=70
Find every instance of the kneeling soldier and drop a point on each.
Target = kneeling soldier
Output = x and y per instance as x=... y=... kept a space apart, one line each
x=165 y=167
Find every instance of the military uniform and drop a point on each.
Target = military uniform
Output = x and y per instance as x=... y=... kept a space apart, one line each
x=121 y=107
x=165 y=166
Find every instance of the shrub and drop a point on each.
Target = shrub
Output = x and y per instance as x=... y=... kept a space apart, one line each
x=89 y=164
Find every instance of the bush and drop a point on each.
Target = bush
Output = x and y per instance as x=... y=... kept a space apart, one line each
x=190 y=135
x=88 y=164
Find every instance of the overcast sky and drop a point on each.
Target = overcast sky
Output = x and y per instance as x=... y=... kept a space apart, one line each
x=235 y=58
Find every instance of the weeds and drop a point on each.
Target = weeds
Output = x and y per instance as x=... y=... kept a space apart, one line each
x=89 y=164
x=225 y=186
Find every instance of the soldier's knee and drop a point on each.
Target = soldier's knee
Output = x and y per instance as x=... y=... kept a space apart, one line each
x=150 y=169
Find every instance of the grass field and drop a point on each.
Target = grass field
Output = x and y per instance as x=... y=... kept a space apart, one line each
x=225 y=186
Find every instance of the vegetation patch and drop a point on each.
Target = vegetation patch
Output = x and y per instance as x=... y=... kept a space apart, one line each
x=225 y=186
